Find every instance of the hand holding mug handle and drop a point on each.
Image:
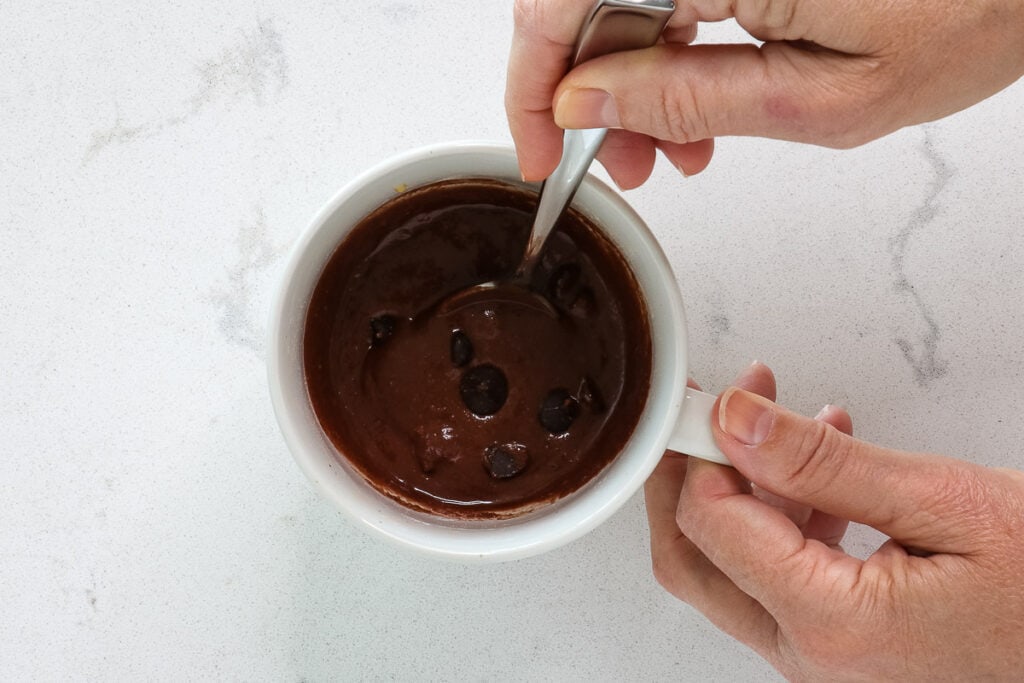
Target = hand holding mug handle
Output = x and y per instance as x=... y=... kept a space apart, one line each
x=756 y=547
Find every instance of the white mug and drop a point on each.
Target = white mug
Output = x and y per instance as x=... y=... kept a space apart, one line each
x=675 y=417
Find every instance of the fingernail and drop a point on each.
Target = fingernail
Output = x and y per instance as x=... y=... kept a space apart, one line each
x=586 y=108
x=823 y=412
x=745 y=417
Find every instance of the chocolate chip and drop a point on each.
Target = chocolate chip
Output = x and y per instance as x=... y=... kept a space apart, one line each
x=558 y=411
x=506 y=460
x=483 y=389
x=381 y=328
x=590 y=397
x=461 y=349
x=564 y=284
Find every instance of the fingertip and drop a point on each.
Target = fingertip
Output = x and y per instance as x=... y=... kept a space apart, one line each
x=627 y=181
x=628 y=158
x=537 y=160
x=689 y=158
x=531 y=174
x=837 y=417
x=757 y=378
x=684 y=33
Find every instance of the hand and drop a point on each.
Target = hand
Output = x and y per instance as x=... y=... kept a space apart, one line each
x=756 y=548
x=831 y=73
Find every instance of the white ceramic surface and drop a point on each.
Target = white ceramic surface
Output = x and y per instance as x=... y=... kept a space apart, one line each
x=156 y=168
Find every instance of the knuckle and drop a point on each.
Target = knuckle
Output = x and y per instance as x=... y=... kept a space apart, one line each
x=772 y=18
x=834 y=100
x=958 y=490
x=819 y=458
x=962 y=498
x=861 y=624
x=836 y=642
x=677 y=569
x=535 y=19
x=784 y=15
x=1013 y=500
x=525 y=13
x=856 y=105
x=662 y=569
x=691 y=514
x=677 y=116
x=684 y=517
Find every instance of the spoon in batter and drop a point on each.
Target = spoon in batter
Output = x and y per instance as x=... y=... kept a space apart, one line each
x=612 y=26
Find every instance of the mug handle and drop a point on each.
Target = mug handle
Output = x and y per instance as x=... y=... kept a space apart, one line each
x=692 y=434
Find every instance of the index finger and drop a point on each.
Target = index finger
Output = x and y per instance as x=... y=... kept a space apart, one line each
x=542 y=45
x=764 y=553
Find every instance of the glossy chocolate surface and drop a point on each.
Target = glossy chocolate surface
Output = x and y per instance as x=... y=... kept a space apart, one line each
x=485 y=404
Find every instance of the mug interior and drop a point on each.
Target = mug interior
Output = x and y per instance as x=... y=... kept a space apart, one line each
x=551 y=525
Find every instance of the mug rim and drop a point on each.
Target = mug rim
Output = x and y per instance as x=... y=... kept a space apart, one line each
x=554 y=524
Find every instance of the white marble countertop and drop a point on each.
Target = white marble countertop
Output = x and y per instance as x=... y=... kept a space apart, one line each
x=156 y=163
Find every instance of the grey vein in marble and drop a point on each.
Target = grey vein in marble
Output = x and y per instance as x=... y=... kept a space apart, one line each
x=715 y=322
x=400 y=12
x=253 y=68
x=922 y=352
x=240 y=319
x=118 y=134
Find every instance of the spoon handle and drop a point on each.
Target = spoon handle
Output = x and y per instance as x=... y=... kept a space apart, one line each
x=613 y=26
x=579 y=147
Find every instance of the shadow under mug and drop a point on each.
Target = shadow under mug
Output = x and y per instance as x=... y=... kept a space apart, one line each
x=675 y=416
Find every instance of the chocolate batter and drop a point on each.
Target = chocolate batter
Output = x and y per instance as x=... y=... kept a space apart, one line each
x=478 y=405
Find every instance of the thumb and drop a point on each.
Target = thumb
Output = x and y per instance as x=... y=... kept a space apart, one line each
x=927 y=502
x=682 y=93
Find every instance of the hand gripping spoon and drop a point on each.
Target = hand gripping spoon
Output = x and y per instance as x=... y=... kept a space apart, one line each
x=612 y=26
